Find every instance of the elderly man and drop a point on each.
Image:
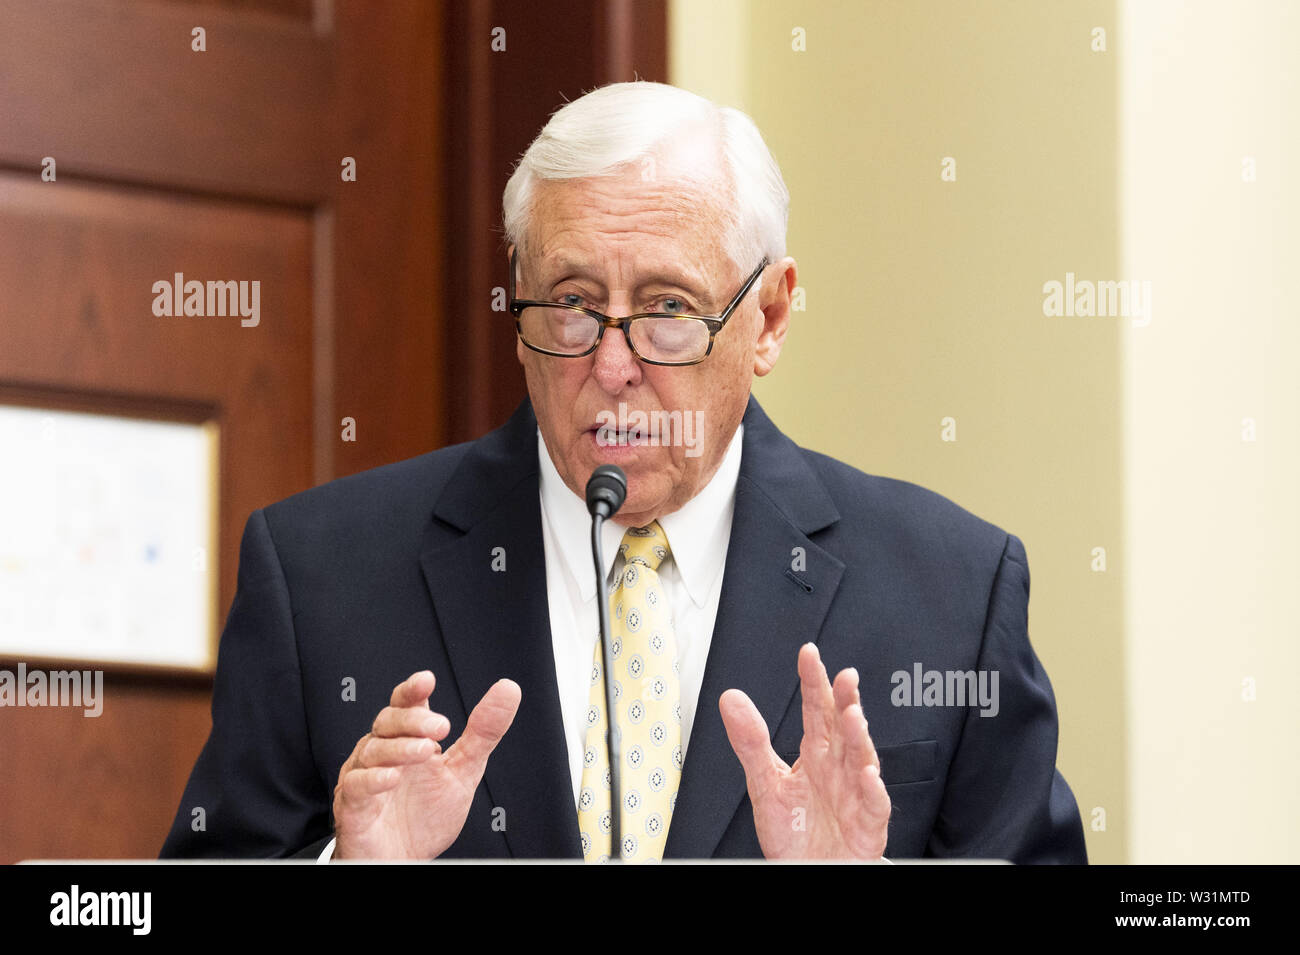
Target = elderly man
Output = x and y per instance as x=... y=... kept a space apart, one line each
x=453 y=595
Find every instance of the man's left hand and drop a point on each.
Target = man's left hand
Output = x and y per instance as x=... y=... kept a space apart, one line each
x=831 y=804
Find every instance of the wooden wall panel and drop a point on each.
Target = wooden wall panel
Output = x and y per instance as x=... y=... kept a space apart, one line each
x=302 y=10
x=113 y=91
x=79 y=316
x=388 y=233
x=99 y=797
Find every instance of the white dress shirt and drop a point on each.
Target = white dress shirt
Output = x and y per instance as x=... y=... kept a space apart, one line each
x=698 y=534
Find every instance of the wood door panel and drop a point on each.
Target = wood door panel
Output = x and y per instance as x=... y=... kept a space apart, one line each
x=223 y=165
x=79 y=317
x=302 y=10
x=136 y=104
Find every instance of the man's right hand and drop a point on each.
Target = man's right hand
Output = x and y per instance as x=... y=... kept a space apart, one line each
x=399 y=796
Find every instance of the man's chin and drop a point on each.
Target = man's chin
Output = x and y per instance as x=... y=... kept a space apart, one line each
x=646 y=500
x=635 y=514
x=649 y=470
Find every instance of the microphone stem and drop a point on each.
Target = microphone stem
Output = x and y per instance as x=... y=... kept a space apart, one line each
x=602 y=608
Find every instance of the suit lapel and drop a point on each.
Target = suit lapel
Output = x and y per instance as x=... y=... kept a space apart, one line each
x=497 y=624
x=766 y=612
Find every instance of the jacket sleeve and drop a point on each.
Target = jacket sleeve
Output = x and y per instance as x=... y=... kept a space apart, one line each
x=255 y=791
x=1004 y=797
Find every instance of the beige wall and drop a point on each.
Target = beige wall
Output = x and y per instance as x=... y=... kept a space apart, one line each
x=1212 y=519
x=925 y=300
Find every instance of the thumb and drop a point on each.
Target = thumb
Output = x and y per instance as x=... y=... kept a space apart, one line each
x=747 y=733
x=486 y=725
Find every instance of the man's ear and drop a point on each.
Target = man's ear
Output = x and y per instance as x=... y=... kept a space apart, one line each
x=774 y=304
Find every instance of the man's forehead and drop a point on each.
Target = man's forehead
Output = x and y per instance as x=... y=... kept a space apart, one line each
x=577 y=227
x=680 y=200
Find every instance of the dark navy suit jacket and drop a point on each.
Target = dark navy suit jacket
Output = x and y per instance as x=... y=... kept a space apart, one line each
x=365 y=580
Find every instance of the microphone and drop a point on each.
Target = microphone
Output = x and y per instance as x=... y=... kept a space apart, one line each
x=606 y=491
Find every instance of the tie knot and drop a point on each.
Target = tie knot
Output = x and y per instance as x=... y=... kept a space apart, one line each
x=645 y=545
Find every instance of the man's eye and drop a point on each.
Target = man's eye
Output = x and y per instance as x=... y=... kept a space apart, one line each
x=572 y=298
x=673 y=305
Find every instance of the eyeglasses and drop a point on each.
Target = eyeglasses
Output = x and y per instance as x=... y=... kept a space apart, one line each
x=657 y=338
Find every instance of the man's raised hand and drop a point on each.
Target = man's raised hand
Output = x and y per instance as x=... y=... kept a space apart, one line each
x=399 y=796
x=832 y=803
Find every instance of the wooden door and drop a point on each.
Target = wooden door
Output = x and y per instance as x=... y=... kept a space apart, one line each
x=219 y=155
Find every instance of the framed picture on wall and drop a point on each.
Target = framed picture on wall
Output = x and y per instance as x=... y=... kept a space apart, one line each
x=107 y=534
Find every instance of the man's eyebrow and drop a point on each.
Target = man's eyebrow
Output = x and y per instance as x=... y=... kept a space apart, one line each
x=557 y=270
x=550 y=270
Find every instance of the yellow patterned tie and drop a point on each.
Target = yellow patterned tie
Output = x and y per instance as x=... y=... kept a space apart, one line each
x=647 y=711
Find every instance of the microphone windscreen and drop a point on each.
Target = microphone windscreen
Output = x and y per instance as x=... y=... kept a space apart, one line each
x=607 y=486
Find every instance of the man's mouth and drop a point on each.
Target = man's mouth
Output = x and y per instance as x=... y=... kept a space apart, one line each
x=607 y=436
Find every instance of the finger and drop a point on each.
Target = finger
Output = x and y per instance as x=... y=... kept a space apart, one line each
x=859 y=751
x=846 y=688
x=351 y=761
x=843 y=690
x=875 y=797
x=818 y=701
x=853 y=729
x=360 y=784
x=845 y=693
x=487 y=724
x=410 y=721
x=414 y=690
x=403 y=751
x=747 y=733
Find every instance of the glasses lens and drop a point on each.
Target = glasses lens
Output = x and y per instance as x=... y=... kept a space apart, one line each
x=670 y=339
x=559 y=330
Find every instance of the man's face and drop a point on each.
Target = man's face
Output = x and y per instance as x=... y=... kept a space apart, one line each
x=631 y=244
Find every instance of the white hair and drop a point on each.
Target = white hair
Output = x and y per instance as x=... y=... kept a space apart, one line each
x=604 y=131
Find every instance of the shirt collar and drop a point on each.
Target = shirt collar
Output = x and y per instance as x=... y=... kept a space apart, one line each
x=697 y=532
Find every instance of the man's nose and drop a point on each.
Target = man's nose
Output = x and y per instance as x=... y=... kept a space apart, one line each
x=615 y=366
